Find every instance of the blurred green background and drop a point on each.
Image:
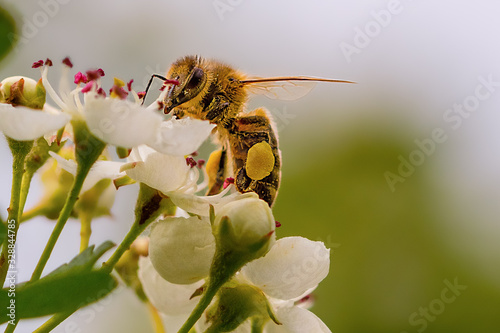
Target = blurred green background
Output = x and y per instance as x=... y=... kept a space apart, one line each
x=394 y=251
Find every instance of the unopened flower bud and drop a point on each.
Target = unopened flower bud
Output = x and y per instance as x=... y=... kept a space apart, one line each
x=181 y=249
x=251 y=224
x=244 y=231
x=18 y=90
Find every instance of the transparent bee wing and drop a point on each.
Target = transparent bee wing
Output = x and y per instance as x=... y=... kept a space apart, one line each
x=282 y=90
x=286 y=88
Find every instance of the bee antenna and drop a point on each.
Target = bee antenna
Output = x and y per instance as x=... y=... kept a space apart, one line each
x=292 y=78
x=149 y=84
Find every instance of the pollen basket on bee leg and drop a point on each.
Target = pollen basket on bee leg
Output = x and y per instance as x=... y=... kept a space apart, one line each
x=260 y=161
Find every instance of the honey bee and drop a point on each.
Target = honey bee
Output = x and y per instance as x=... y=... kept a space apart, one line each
x=211 y=90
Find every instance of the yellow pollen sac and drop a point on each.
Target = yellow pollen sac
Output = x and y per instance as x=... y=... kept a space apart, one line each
x=260 y=161
x=117 y=82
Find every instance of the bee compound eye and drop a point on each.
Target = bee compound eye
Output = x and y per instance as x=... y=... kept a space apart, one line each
x=196 y=78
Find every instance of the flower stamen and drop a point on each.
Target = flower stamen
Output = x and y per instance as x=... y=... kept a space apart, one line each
x=191 y=162
x=37 y=64
x=228 y=181
x=67 y=62
x=80 y=78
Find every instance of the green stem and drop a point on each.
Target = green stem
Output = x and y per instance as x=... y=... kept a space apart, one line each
x=133 y=233
x=19 y=151
x=25 y=187
x=55 y=320
x=204 y=302
x=33 y=212
x=10 y=328
x=61 y=221
x=85 y=230
x=257 y=326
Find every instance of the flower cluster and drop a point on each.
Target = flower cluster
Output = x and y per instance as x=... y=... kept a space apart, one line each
x=182 y=257
x=213 y=262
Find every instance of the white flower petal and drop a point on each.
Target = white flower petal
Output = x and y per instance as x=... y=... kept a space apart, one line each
x=100 y=170
x=296 y=320
x=162 y=172
x=173 y=323
x=120 y=122
x=191 y=203
x=168 y=298
x=182 y=249
x=21 y=123
x=181 y=136
x=68 y=165
x=202 y=325
x=140 y=153
x=292 y=266
x=200 y=205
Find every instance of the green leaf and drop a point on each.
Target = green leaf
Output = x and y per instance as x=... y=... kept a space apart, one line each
x=85 y=260
x=8 y=32
x=56 y=294
x=70 y=286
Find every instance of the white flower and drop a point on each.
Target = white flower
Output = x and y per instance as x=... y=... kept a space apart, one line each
x=171 y=175
x=116 y=121
x=166 y=173
x=290 y=270
x=182 y=136
x=182 y=249
x=126 y=124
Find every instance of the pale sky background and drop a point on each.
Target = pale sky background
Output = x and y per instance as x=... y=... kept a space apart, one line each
x=425 y=59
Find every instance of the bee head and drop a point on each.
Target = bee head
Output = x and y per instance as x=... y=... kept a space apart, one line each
x=192 y=79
